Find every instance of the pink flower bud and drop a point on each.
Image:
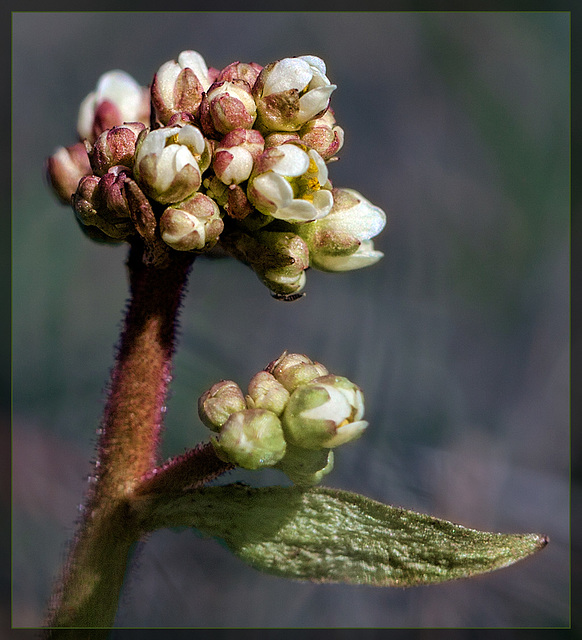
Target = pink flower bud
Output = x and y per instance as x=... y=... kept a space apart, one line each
x=323 y=135
x=65 y=168
x=249 y=72
x=227 y=106
x=99 y=202
x=115 y=146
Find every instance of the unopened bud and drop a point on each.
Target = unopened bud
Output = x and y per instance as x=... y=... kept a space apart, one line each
x=179 y=86
x=192 y=225
x=116 y=146
x=324 y=413
x=323 y=135
x=236 y=153
x=217 y=404
x=294 y=369
x=227 y=106
x=65 y=168
x=266 y=392
x=247 y=71
x=99 y=202
x=251 y=439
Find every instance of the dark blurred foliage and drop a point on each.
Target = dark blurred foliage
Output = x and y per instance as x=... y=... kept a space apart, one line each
x=457 y=124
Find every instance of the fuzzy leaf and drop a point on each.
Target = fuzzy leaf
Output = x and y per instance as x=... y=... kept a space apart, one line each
x=327 y=535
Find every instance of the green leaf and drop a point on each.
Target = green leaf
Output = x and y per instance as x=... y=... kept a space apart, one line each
x=327 y=535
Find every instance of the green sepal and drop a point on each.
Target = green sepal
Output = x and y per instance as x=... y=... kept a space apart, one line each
x=327 y=535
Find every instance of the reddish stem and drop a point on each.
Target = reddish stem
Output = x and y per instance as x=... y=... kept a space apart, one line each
x=130 y=431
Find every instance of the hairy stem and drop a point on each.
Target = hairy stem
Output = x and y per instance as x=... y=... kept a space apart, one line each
x=127 y=449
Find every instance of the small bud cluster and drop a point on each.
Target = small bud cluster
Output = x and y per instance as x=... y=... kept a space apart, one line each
x=236 y=156
x=294 y=414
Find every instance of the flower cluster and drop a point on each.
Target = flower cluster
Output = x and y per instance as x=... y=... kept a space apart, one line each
x=293 y=416
x=237 y=156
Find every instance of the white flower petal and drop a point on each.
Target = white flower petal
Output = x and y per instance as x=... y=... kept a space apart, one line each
x=363 y=257
x=323 y=202
x=289 y=73
x=193 y=60
x=364 y=220
x=314 y=101
x=297 y=211
x=191 y=135
x=347 y=433
x=337 y=408
x=274 y=188
x=86 y=115
x=182 y=157
x=314 y=61
x=294 y=161
x=322 y=173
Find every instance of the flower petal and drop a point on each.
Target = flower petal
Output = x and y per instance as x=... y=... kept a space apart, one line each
x=274 y=188
x=292 y=162
x=289 y=73
x=314 y=101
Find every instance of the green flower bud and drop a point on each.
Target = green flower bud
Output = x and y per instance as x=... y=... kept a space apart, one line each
x=251 y=439
x=294 y=369
x=324 y=413
x=217 y=404
x=306 y=467
x=266 y=392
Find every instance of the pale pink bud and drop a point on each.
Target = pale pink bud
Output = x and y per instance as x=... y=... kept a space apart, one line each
x=65 y=168
x=116 y=146
x=323 y=135
x=227 y=106
x=247 y=71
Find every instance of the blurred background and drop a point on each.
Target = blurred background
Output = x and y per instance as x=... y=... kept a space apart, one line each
x=457 y=125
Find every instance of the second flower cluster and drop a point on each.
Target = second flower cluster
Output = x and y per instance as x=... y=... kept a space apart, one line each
x=293 y=416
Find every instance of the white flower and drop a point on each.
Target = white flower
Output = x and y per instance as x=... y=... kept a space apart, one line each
x=167 y=162
x=290 y=184
x=342 y=241
x=179 y=85
x=291 y=92
x=118 y=98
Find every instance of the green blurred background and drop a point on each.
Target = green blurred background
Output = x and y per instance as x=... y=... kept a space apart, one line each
x=457 y=125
